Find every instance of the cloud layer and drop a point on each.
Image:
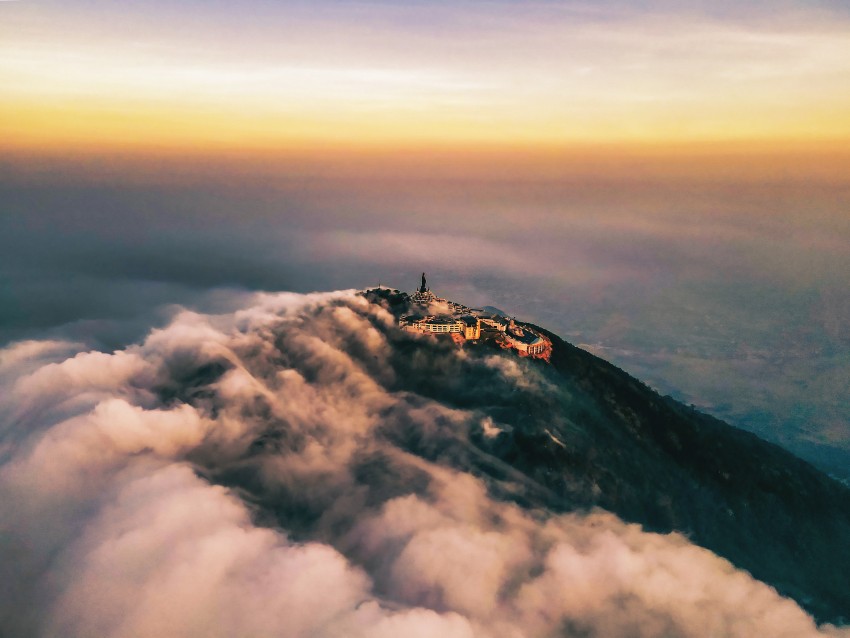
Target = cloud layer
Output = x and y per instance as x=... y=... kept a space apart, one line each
x=254 y=473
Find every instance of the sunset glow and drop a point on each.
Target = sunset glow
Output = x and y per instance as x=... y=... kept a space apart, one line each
x=424 y=318
x=426 y=74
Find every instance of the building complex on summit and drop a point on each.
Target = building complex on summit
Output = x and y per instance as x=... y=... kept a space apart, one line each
x=434 y=315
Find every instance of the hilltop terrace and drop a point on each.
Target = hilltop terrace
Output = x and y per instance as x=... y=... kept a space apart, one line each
x=438 y=316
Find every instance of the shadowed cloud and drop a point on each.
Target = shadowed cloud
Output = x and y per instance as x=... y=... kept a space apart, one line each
x=349 y=511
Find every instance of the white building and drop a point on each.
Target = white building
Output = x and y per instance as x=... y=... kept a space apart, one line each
x=468 y=326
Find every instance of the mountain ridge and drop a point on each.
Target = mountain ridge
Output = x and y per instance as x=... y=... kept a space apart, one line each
x=617 y=444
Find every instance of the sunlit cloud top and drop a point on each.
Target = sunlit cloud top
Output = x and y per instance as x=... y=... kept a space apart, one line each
x=264 y=75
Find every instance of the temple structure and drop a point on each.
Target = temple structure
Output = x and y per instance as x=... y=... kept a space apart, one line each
x=435 y=315
x=524 y=339
x=424 y=295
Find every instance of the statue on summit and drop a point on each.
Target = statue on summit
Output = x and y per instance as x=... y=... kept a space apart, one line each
x=423 y=295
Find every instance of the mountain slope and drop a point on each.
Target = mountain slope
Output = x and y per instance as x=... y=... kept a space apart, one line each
x=746 y=499
x=598 y=437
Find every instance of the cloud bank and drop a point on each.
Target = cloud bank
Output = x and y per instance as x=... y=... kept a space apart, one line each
x=267 y=472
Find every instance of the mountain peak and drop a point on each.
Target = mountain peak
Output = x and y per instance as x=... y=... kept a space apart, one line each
x=598 y=437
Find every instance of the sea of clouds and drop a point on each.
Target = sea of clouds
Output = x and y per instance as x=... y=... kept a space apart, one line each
x=243 y=474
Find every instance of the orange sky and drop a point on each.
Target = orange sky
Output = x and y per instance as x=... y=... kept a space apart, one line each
x=389 y=77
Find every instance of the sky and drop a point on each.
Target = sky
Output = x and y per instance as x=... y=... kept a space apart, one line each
x=663 y=182
x=291 y=76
